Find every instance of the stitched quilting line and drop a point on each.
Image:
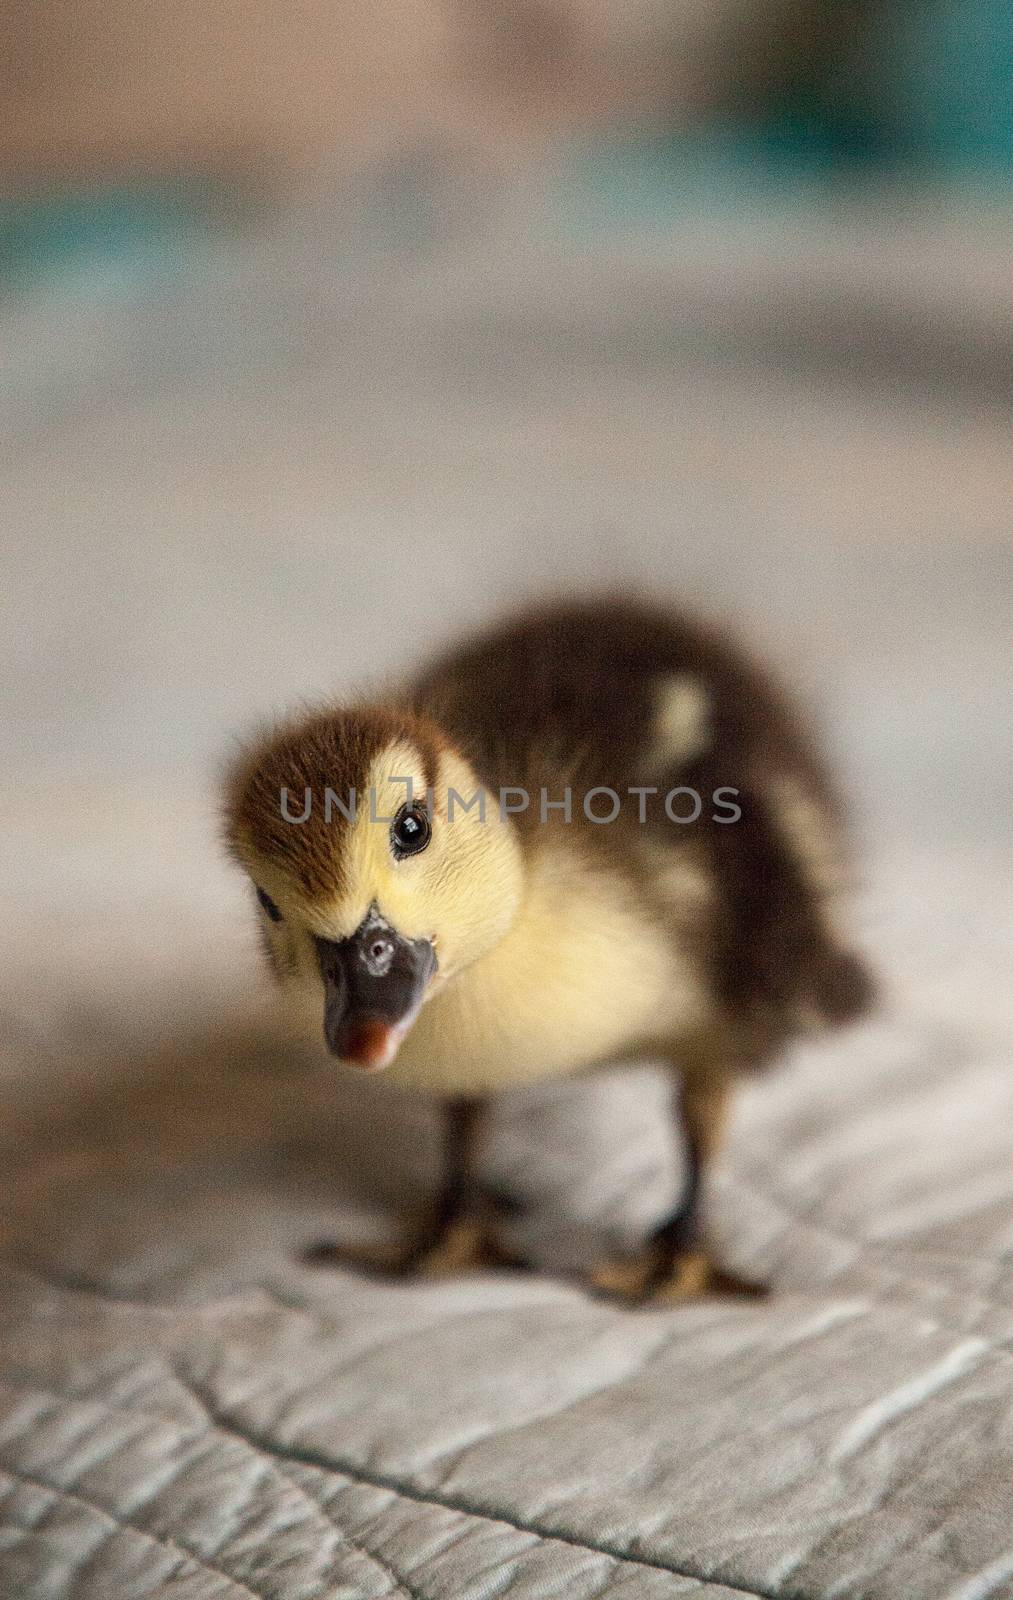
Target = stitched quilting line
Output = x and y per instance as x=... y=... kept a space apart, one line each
x=124 y=1524
x=384 y=1482
x=404 y=1489
x=408 y=1491
x=165 y=1419
x=271 y=1458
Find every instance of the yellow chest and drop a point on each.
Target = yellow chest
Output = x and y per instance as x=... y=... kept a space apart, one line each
x=582 y=977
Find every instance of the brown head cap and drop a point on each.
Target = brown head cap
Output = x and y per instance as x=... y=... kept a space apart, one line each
x=307 y=756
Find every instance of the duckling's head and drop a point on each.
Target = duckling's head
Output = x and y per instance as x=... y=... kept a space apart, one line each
x=381 y=866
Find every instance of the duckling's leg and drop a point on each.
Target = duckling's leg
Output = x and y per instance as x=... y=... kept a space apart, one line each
x=458 y=1234
x=685 y=1267
x=676 y=1265
x=462 y=1233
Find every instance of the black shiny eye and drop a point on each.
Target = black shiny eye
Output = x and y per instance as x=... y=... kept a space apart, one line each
x=268 y=905
x=410 y=831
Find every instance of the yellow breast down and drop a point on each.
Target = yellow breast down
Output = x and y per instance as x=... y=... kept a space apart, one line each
x=583 y=977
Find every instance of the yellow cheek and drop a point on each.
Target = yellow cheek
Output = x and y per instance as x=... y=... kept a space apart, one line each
x=476 y=888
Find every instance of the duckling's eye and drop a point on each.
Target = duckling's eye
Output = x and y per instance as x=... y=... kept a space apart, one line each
x=410 y=831
x=268 y=905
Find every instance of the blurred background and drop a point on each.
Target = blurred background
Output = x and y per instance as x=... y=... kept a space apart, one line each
x=326 y=331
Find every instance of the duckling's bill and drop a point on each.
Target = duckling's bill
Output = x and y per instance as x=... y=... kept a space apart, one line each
x=374 y=985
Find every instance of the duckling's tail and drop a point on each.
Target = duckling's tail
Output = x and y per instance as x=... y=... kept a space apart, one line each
x=845 y=989
x=781 y=953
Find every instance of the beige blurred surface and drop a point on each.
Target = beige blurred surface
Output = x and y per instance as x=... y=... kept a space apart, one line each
x=93 y=87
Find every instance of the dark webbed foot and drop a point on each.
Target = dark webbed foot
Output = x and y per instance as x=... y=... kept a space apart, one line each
x=463 y=1244
x=391 y=1258
x=460 y=1234
x=467 y=1244
x=674 y=1266
x=653 y=1279
x=693 y=1274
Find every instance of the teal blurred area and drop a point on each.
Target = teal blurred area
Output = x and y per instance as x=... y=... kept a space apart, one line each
x=121 y=234
x=924 y=95
x=940 y=75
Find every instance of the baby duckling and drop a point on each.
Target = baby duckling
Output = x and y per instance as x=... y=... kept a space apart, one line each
x=598 y=833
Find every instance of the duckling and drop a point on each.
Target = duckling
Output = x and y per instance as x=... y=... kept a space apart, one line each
x=597 y=833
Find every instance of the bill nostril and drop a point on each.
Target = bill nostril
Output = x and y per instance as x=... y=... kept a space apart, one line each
x=378 y=955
